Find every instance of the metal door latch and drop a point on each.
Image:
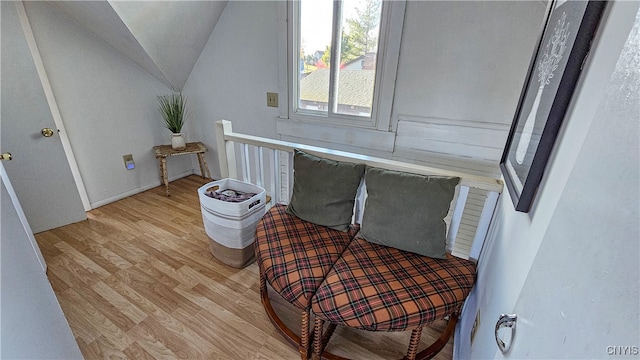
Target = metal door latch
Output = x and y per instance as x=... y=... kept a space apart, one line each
x=506 y=321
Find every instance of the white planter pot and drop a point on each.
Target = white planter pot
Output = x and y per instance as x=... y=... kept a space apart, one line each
x=177 y=141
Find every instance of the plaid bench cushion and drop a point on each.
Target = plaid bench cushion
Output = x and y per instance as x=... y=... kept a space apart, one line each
x=378 y=288
x=296 y=255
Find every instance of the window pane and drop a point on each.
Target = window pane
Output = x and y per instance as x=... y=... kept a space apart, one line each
x=358 y=52
x=315 y=44
x=358 y=46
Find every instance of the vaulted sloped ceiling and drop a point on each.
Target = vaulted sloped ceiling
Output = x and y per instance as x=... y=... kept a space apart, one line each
x=165 y=38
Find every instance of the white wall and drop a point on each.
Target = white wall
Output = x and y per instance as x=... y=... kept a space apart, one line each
x=237 y=68
x=458 y=60
x=109 y=108
x=159 y=27
x=108 y=105
x=465 y=60
x=462 y=63
x=550 y=264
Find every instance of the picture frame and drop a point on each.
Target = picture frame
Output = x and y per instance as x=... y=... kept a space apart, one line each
x=551 y=79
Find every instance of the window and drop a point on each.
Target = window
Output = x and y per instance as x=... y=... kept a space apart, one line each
x=344 y=99
x=337 y=47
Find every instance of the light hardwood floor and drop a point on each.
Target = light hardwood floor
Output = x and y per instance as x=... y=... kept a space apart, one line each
x=137 y=280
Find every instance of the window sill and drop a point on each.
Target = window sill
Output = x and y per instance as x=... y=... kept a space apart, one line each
x=338 y=134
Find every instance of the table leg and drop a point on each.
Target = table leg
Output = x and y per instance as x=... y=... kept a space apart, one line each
x=160 y=170
x=204 y=168
x=163 y=174
x=201 y=165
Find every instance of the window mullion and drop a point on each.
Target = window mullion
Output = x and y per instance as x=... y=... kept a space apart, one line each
x=334 y=67
x=292 y=18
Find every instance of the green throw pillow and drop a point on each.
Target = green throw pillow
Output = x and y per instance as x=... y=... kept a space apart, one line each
x=324 y=191
x=406 y=211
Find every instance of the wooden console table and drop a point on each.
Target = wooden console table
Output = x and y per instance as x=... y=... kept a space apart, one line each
x=163 y=151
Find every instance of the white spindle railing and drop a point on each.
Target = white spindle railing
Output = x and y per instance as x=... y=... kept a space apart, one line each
x=468 y=219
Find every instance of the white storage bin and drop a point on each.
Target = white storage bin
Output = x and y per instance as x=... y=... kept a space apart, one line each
x=230 y=208
x=232 y=232
x=231 y=226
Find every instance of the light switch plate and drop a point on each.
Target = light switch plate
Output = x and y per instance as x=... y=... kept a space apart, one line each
x=272 y=99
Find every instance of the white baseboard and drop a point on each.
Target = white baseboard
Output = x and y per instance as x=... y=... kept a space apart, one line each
x=140 y=189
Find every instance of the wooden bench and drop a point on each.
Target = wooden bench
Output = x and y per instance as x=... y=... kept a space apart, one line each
x=348 y=281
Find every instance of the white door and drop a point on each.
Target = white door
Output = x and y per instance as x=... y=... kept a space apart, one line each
x=39 y=170
x=581 y=299
x=569 y=269
x=32 y=325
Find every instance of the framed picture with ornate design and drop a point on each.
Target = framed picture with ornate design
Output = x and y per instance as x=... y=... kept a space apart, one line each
x=553 y=73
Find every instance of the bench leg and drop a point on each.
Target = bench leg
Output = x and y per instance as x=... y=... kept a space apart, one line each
x=413 y=343
x=304 y=335
x=317 y=339
x=321 y=340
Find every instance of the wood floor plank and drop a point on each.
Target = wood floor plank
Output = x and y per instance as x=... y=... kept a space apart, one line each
x=46 y=241
x=273 y=348
x=162 y=296
x=215 y=290
x=109 y=350
x=157 y=275
x=82 y=259
x=137 y=281
x=79 y=231
x=178 y=338
x=103 y=257
x=187 y=281
x=126 y=250
x=57 y=284
x=165 y=227
x=228 y=341
x=233 y=324
x=107 y=227
x=111 y=259
x=250 y=312
x=126 y=224
x=126 y=307
x=106 y=308
x=132 y=295
x=199 y=299
x=69 y=271
x=135 y=351
x=148 y=245
x=83 y=330
x=205 y=266
x=94 y=321
x=89 y=351
x=119 y=231
x=176 y=215
x=151 y=345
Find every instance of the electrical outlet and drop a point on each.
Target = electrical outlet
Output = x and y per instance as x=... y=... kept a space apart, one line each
x=272 y=99
x=128 y=162
x=476 y=324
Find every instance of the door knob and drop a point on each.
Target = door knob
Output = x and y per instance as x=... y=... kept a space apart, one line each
x=6 y=156
x=47 y=132
x=506 y=321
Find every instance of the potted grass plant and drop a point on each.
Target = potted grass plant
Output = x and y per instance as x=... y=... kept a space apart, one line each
x=173 y=108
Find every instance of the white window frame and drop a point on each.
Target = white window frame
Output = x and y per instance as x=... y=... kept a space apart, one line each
x=358 y=131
